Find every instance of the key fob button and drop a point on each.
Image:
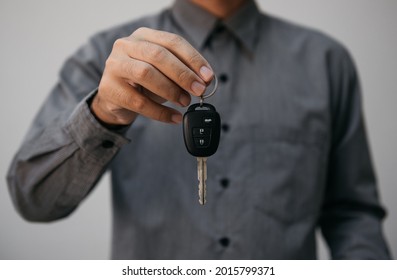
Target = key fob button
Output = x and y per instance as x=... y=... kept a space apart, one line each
x=202 y=142
x=201 y=131
x=208 y=120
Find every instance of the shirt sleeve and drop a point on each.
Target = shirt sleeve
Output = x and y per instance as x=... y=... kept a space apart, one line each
x=66 y=150
x=352 y=216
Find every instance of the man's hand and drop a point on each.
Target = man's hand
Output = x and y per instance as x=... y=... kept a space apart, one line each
x=145 y=70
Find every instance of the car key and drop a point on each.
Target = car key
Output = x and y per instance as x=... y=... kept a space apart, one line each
x=201 y=130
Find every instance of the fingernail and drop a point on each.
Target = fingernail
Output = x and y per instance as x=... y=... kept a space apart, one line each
x=176 y=118
x=184 y=100
x=197 y=88
x=206 y=73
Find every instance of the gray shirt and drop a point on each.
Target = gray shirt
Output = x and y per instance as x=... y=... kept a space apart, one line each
x=293 y=154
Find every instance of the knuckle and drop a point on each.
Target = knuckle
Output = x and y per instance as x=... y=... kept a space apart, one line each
x=174 y=93
x=140 y=31
x=141 y=72
x=119 y=43
x=195 y=59
x=138 y=103
x=156 y=53
x=176 y=41
x=127 y=68
x=184 y=76
x=162 y=115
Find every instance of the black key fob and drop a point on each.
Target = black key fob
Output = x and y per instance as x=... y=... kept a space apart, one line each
x=201 y=129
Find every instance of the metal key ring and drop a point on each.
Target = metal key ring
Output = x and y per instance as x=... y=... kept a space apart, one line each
x=205 y=96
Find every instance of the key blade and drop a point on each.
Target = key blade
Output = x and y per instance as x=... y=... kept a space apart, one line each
x=202 y=177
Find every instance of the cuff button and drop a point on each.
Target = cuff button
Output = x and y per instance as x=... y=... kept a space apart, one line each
x=107 y=144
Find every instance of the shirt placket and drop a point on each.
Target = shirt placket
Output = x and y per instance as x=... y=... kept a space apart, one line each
x=220 y=50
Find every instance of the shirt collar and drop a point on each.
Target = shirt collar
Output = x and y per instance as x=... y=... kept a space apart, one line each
x=199 y=23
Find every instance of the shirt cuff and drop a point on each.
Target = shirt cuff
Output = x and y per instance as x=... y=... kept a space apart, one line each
x=91 y=136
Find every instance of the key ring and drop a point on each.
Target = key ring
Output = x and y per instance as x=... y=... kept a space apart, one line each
x=205 y=96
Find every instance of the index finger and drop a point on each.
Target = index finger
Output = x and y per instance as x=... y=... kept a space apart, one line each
x=179 y=47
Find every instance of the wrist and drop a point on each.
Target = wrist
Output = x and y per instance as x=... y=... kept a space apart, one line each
x=107 y=120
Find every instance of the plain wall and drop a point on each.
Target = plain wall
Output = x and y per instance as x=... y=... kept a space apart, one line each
x=37 y=36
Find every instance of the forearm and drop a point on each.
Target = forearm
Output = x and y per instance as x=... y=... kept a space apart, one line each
x=52 y=173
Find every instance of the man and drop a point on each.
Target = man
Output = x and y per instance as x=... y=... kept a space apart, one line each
x=293 y=154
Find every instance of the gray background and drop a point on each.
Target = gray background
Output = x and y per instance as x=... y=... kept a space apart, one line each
x=37 y=36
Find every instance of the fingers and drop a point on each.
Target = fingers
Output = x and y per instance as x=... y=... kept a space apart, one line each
x=178 y=46
x=122 y=101
x=170 y=66
x=157 y=58
x=146 y=75
x=158 y=62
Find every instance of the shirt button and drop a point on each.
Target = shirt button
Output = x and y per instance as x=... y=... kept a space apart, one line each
x=107 y=144
x=225 y=127
x=224 y=182
x=224 y=241
x=223 y=78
